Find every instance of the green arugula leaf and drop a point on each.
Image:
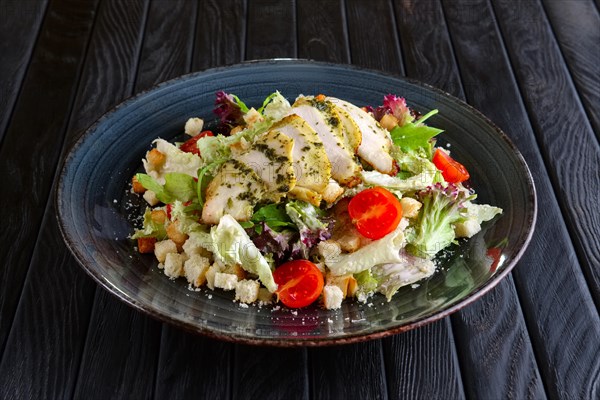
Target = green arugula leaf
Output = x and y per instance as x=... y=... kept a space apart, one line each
x=413 y=135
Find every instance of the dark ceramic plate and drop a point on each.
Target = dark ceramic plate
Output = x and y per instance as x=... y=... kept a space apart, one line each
x=93 y=206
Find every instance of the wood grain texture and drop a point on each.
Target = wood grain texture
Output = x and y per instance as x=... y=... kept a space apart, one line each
x=51 y=81
x=322 y=26
x=322 y=32
x=374 y=45
x=494 y=348
x=168 y=42
x=576 y=25
x=271 y=29
x=16 y=46
x=106 y=68
x=427 y=52
x=352 y=371
x=220 y=33
x=120 y=353
x=109 y=75
x=515 y=373
x=123 y=345
x=573 y=161
x=423 y=355
x=561 y=317
x=193 y=367
x=270 y=373
x=43 y=350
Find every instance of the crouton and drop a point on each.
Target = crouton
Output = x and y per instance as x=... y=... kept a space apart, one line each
x=174 y=265
x=156 y=159
x=193 y=126
x=346 y=283
x=151 y=198
x=246 y=291
x=176 y=235
x=164 y=247
x=410 y=207
x=146 y=244
x=158 y=216
x=332 y=297
x=136 y=186
x=388 y=121
x=236 y=270
x=467 y=228
x=332 y=191
x=195 y=269
x=225 y=281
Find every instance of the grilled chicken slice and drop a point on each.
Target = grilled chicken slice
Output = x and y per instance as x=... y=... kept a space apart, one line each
x=351 y=131
x=376 y=141
x=327 y=124
x=270 y=156
x=311 y=165
x=235 y=190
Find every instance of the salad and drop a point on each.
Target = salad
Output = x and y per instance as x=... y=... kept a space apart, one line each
x=319 y=200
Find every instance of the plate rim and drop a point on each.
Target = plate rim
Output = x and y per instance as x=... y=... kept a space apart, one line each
x=299 y=341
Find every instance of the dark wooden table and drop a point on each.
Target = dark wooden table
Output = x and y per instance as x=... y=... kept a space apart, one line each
x=532 y=66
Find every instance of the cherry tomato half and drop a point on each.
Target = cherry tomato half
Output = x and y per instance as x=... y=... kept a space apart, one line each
x=375 y=212
x=452 y=170
x=189 y=146
x=300 y=283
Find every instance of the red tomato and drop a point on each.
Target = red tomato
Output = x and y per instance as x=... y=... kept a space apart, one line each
x=190 y=146
x=452 y=170
x=375 y=212
x=300 y=283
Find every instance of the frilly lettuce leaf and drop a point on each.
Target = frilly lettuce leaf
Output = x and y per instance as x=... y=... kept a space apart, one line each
x=232 y=245
x=383 y=251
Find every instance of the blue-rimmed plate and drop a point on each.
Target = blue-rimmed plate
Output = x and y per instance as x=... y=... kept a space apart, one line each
x=94 y=206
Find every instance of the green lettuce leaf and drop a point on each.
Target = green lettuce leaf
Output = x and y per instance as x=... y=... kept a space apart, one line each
x=232 y=245
x=150 y=228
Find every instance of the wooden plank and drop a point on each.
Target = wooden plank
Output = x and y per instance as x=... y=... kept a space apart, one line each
x=41 y=358
x=374 y=48
x=120 y=352
x=220 y=33
x=16 y=46
x=168 y=44
x=193 y=367
x=494 y=347
x=282 y=371
x=576 y=25
x=57 y=58
x=354 y=371
x=166 y=52
x=423 y=355
x=62 y=318
x=271 y=29
x=322 y=33
x=573 y=160
x=515 y=373
x=555 y=298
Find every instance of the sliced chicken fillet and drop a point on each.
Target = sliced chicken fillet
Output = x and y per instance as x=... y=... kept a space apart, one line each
x=376 y=141
x=328 y=127
x=235 y=190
